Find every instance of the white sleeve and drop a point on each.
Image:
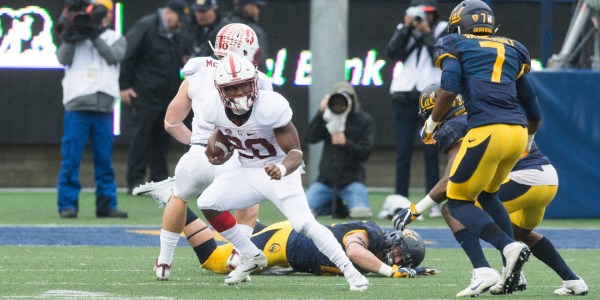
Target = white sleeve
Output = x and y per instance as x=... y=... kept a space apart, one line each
x=264 y=82
x=276 y=110
x=193 y=65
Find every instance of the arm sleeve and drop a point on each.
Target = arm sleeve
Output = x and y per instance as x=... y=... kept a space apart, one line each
x=134 y=38
x=397 y=46
x=451 y=75
x=528 y=99
x=66 y=52
x=316 y=130
x=112 y=53
x=361 y=148
x=525 y=59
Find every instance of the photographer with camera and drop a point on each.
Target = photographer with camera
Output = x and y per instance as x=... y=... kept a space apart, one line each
x=91 y=53
x=412 y=44
x=348 y=134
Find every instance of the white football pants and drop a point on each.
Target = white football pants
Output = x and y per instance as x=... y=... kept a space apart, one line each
x=194 y=172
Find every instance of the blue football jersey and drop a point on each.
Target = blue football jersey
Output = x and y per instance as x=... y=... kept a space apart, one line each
x=490 y=66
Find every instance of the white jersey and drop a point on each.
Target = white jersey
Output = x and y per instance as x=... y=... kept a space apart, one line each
x=254 y=140
x=199 y=72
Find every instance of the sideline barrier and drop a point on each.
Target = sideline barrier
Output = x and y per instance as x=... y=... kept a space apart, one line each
x=570 y=136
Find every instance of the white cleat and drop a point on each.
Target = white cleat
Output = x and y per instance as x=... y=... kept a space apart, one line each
x=572 y=288
x=159 y=191
x=482 y=280
x=516 y=254
x=162 y=271
x=497 y=288
x=358 y=282
x=247 y=265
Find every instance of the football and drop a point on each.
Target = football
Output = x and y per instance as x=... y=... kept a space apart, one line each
x=218 y=146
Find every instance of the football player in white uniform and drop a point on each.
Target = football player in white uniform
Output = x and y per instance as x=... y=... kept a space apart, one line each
x=193 y=172
x=258 y=124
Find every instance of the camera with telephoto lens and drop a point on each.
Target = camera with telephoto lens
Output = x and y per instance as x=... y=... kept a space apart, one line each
x=417 y=13
x=338 y=102
x=81 y=20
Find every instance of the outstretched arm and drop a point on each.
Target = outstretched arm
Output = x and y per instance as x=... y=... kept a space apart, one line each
x=357 y=245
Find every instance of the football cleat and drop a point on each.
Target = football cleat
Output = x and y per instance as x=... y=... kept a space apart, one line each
x=358 y=282
x=162 y=271
x=159 y=191
x=247 y=265
x=516 y=254
x=482 y=280
x=572 y=288
x=497 y=288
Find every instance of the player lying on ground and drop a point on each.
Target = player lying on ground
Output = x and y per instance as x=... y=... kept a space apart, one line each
x=529 y=188
x=370 y=249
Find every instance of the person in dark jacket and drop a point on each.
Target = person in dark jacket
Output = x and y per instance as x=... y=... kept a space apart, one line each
x=149 y=79
x=412 y=44
x=206 y=22
x=348 y=135
x=248 y=12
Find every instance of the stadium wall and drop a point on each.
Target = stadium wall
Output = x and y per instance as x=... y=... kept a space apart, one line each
x=570 y=136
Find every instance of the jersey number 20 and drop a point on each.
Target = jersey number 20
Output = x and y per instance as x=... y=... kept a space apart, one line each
x=253 y=145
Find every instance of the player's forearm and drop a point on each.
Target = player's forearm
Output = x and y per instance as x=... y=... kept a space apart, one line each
x=443 y=102
x=292 y=161
x=364 y=259
x=179 y=131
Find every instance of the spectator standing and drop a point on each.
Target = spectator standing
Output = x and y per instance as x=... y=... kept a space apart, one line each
x=412 y=43
x=90 y=87
x=204 y=27
x=348 y=135
x=248 y=12
x=149 y=80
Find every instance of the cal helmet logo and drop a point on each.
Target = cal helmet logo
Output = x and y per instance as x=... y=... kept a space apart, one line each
x=427 y=102
x=455 y=16
x=410 y=234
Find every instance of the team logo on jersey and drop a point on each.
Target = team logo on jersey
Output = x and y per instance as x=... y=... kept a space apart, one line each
x=275 y=248
x=475 y=17
x=227 y=131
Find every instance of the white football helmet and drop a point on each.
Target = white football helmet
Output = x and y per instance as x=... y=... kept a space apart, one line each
x=239 y=39
x=234 y=70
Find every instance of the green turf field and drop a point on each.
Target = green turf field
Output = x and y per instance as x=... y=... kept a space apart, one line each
x=90 y=272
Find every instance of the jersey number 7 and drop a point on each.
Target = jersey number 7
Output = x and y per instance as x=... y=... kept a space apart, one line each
x=497 y=72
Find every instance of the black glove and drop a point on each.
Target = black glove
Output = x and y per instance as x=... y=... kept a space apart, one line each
x=405 y=217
